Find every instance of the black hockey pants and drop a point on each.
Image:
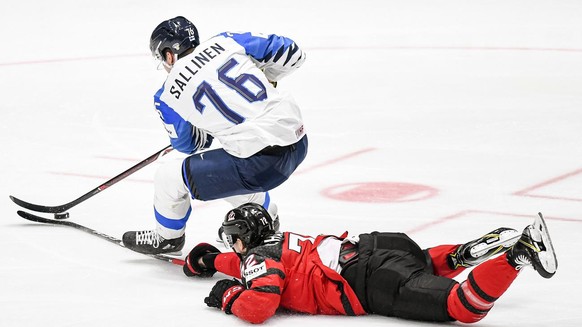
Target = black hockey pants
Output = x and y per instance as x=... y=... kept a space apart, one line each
x=393 y=277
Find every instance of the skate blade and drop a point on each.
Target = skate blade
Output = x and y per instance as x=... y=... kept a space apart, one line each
x=174 y=254
x=547 y=258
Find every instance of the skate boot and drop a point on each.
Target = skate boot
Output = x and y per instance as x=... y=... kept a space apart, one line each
x=475 y=252
x=535 y=249
x=150 y=242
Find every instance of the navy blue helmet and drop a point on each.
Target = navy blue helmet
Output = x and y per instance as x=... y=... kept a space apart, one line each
x=177 y=35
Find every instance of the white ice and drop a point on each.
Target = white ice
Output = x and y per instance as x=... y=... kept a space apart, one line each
x=478 y=101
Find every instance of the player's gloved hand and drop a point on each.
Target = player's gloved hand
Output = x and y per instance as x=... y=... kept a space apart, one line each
x=208 y=253
x=223 y=294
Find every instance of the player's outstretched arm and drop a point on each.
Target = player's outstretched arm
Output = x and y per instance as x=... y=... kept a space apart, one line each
x=204 y=260
x=278 y=56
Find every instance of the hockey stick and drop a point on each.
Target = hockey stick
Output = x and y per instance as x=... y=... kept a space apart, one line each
x=60 y=210
x=116 y=241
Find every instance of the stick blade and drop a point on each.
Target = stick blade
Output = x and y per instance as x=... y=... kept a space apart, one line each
x=37 y=207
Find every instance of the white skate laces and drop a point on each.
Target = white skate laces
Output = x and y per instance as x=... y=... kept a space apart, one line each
x=148 y=237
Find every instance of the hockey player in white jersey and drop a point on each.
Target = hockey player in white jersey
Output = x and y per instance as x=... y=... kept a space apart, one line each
x=221 y=89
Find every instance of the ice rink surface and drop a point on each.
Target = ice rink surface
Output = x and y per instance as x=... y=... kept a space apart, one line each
x=442 y=119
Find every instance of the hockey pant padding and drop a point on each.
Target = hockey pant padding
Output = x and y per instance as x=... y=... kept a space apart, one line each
x=394 y=278
x=172 y=205
x=215 y=174
x=471 y=300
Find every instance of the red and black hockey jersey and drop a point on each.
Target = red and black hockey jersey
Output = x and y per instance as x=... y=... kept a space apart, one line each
x=287 y=271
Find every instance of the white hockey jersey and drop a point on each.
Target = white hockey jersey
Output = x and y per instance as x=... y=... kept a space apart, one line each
x=222 y=91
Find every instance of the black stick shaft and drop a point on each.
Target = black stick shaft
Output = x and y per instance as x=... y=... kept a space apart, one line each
x=111 y=239
x=98 y=189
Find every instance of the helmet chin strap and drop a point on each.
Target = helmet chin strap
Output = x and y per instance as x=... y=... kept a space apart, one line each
x=167 y=66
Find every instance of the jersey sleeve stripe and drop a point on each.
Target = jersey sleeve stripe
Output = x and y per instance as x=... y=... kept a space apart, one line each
x=292 y=49
x=279 y=54
x=267 y=289
x=298 y=60
x=275 y=271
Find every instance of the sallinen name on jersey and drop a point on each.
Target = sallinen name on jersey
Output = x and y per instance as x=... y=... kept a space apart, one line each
x=199 y=60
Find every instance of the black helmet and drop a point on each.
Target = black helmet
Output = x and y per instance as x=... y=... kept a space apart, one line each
x=177 y=34
x=250 y=222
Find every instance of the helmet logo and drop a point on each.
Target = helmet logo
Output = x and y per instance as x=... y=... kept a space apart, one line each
x=230 y=216
x=176 y=46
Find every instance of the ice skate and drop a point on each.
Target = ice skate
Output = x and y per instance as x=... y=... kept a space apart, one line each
x=535 y=249
x=475 y=252
x=150 y=242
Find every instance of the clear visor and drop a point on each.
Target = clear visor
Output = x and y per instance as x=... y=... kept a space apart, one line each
x=159 y=64
x=160 y=60
x=231 y=232
x=156 y=52
x=229 y=240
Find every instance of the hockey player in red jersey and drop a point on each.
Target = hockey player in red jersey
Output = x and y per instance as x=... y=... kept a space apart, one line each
x=377 y=273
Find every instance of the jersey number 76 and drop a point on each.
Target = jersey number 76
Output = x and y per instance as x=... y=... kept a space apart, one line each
x=237 y=84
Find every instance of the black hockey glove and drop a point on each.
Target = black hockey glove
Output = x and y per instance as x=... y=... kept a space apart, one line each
x=208 y=253
x=223 y=294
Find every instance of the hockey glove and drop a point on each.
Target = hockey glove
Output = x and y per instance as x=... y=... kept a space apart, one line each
x=223 y=294
x=208 y=253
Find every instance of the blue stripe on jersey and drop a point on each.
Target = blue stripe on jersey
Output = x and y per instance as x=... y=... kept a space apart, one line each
x=184 y=140
x=261 y=48
x=175 y=224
